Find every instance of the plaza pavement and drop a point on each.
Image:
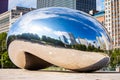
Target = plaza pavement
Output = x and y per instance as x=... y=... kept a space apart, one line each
x=21 y=74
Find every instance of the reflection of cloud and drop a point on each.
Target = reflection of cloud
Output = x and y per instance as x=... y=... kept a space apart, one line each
x=27 y=19
x=44 y=14
x=50 y=13
x=60 y=33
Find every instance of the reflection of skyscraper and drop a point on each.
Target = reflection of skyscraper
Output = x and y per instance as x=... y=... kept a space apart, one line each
x=72 y=38
x=67 y=38
x=64 y=39
x=83 y=5
x=101 y=43
x=3 y=6
x=82 y=41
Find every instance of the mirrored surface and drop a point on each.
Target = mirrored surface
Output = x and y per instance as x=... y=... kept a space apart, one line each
x=60 y=27
x=58 y=36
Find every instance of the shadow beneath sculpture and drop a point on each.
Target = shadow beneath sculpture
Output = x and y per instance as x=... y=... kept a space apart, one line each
x=95 y=66
x=34 y=62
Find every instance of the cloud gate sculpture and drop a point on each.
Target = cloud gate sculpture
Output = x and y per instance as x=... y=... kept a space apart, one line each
x=58 y=36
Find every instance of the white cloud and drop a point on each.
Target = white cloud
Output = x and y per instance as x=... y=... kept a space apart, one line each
x=23 y=3
x=100 y=5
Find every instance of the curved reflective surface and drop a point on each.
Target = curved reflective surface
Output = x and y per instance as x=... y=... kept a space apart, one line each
x=60 y=28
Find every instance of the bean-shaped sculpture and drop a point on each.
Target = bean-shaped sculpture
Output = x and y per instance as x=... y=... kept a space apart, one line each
x=58 y=36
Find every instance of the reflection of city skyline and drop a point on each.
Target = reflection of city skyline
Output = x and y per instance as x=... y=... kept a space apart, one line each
x=69 y=39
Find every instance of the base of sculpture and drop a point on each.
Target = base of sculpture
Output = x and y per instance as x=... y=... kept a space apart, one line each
x=34 y=56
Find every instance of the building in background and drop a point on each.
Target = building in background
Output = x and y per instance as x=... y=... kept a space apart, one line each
x=83 y=5
x=4 y=21
x=100 y=16
x=3 y=6
x=9 y=17
x=56 y=3
x=112 y=20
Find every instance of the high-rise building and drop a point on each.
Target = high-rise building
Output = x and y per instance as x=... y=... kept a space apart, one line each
x=83 y=5
x=3 y=6
x=4 y=21
x=112 y=21
x=9 y=17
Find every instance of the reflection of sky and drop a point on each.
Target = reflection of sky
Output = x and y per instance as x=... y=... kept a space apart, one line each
x=64 y=25
x=51 y=20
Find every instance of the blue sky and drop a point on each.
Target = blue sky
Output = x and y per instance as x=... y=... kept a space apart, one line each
x=23 y=3
x=32 y=3
x=100 y=5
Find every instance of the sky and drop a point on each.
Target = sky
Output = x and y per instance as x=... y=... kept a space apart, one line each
x=100 y=5
x=32 y=3
x=23 y=3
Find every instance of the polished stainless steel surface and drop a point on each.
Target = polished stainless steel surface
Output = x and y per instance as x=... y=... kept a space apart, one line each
x=60 y=28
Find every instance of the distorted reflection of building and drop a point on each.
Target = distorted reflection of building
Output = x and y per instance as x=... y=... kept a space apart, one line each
x=72 y=38
x=95 y=43
x=101 y=42
x=82 y=41
x=67 y=38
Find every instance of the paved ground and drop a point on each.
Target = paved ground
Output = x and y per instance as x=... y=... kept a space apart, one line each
x=21 y=74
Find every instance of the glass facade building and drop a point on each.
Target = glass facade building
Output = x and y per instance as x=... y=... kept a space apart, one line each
x=56 y=3
x=83 y=5
x=3 y=6
x=86 y=5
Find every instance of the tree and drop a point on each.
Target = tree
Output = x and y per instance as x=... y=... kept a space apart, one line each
x=4 y=58
x=6 y=62
x=2 y=44
x=115 y=58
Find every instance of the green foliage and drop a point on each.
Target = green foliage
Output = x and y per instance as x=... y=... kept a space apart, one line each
x=114 y=58
x=80 y=47
x=4 y=58
x=5 y=61
x=2 y=43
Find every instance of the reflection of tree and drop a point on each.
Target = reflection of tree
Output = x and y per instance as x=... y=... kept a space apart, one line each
x=94 y=49
x=80 y=47
x=24 y=36
x=51 y=41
